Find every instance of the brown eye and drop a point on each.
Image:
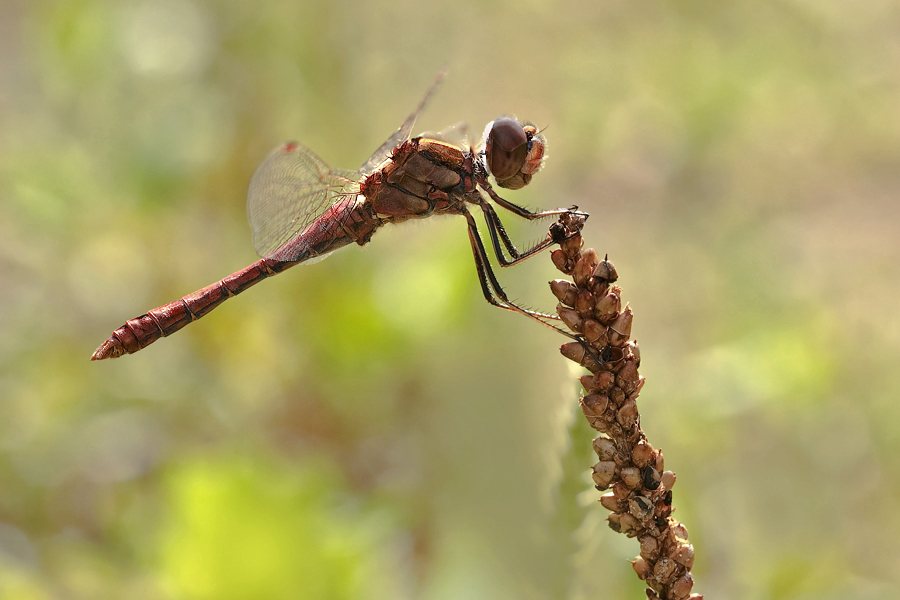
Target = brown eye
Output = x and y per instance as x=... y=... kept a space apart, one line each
x=505 y=148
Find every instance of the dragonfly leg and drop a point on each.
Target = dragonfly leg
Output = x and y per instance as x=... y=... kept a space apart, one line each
x=524 y=212
x=491 y=288
x=498 y=234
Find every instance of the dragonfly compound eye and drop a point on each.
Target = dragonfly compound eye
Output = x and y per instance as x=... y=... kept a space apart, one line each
x=505 y=148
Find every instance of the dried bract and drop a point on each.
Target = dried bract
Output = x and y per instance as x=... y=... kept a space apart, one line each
x=570 y=317
x=607 y=307
x=605 y=448
x=609 y=502
x=668 y=480
x=564 y=291
x=603 y=473
x=594 y=332
x=641 y=453
x=682 y=587
x=641 y=567
x=594 y=405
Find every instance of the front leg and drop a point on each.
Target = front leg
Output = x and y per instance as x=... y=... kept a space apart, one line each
x=491 y=288
x=498 y=234
x=524 y=212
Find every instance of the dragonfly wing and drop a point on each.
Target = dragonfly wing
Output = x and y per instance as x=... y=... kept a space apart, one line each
x=456 y=135
x=402 y=134
x=290 y=189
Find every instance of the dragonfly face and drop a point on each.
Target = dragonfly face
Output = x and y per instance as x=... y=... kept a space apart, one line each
x=513 y=151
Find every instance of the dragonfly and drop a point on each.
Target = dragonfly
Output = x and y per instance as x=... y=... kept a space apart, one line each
x=301 y=209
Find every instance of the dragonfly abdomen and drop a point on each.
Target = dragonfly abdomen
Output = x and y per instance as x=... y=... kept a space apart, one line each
x=346 y=222
x=165 y=320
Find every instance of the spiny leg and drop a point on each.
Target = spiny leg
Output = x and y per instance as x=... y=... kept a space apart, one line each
x=524 y=212
x=498 y=233
x=490 y=286
x=488 y=280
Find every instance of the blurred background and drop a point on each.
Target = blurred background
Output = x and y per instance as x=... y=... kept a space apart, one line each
x=368 y=427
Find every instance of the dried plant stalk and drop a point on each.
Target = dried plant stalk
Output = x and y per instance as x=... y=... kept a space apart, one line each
x=640 y=497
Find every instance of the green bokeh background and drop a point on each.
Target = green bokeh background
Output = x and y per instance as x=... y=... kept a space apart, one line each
x=368 y=427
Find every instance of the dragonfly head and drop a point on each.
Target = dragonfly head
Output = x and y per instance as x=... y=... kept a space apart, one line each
x=513 y=151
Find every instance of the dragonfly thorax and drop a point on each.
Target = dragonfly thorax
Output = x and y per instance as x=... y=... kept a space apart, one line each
x=423 y=177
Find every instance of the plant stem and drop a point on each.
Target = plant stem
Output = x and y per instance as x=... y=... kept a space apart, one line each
x=640 y=496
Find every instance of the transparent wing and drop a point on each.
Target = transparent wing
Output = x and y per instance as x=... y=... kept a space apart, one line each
x=293 y=187
x=402 y=134
x=290 y=189
x=457 y=135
